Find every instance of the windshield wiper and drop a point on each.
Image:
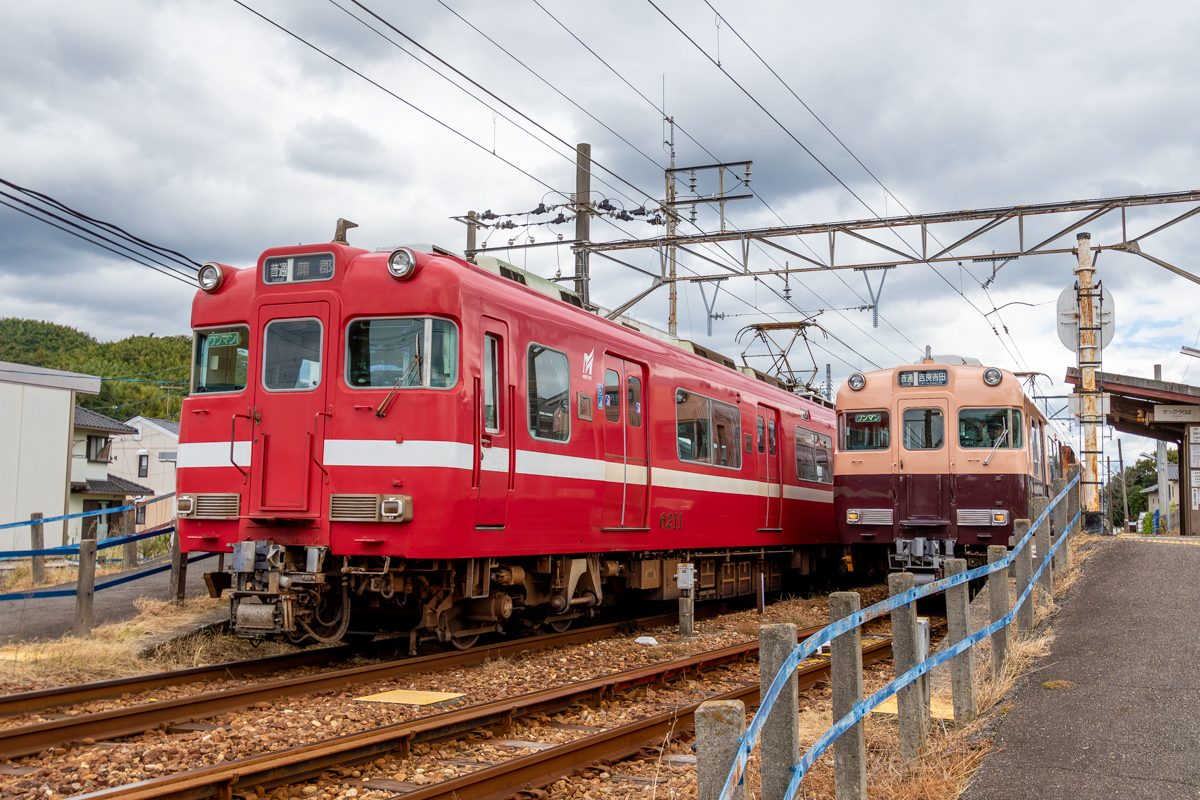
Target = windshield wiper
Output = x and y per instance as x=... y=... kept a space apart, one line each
x=415 y=364
x=999 y=441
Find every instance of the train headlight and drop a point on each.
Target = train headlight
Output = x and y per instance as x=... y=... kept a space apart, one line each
x=184 y=505
x=857 y=381
x=211 y=277
x=992 y=376
x=853 y=517
x=999 y=517
x=402 y=263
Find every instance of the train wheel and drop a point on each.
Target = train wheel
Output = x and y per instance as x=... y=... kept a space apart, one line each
x=559 y=625
x=464 y=642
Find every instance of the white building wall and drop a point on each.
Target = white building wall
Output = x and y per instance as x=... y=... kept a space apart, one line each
x=35 y=428
x=161 y=477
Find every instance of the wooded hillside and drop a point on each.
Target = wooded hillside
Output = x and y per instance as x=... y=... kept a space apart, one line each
x=148 y=374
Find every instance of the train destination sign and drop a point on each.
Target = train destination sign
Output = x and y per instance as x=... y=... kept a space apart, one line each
x=868 y=417
x=298 y=269
x=924 y=377
x=228 y=339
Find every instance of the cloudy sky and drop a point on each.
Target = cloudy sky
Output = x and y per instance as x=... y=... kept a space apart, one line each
x=202 y=127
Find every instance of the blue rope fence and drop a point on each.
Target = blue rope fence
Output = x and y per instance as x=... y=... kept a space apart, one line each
x=43 y=593
x=827 y=634
x=27 y=522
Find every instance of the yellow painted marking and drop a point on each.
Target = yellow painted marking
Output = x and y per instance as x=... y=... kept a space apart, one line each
x=938 y=709
x=1161 y=539
x=408 y=697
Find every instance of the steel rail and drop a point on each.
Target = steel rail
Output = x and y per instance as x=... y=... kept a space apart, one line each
x=302 y=763
x=129 y=720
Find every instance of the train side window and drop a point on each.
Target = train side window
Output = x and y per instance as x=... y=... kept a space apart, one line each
x=771 y=437
x=727 y=427
x=491 y=369
x=865 y=430
x=612 y=395
x=806 y=463
x=749 y=443
x=220 y=359
x=549 y=392
x=984 y=427
x=824 y=471
x=762 y=435
x=924 y=429
x=634 y=408
x=292 y=355
x=692 y=432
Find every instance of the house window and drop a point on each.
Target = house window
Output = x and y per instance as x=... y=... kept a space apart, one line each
x=143 y=466
x=139 y=517
x=98 y=448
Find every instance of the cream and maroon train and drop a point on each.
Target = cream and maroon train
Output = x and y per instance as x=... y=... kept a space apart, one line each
x=935 y=460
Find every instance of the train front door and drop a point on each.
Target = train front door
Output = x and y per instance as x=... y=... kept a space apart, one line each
x=626 y=467
x=287 y=421
x=770 y=477
x=923 y=492
x=494 y=401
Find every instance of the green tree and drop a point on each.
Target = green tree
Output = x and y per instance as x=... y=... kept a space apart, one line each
x=1142 y=474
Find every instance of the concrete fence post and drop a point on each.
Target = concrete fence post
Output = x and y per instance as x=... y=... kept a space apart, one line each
x=958 y=627
x=85 y=586
x=1059 y=516
x=1024 y=559
x=997 y=587
x=910 y=701
x=179 y=561
x=780 y=747
x=129 y=555
x=720 y=724
x=1041 y=538
x=846 y=680
x=37 y=541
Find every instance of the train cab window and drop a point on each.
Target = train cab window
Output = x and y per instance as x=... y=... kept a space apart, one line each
x=612 y=395
x=549 y=394
x=292 y=355
x=220 y=358
x=984 y=427
x=924 y=429
x=634 y=408
x=707 y=431
x=414 y=352
x=865 y=430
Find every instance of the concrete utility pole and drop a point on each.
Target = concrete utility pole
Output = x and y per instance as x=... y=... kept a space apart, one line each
x=583 y=219
x=1164 y=488
x=1124 y=488
x=1089 y=341
x=671 y=217
x=472 y=230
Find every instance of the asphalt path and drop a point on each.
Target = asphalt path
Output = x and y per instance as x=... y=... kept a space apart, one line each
x=1128 y=724
x=40 y=619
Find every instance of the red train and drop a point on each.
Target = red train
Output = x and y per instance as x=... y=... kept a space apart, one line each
x=406 y=441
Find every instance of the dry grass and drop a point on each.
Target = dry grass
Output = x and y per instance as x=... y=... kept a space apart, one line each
x=113 y=651
x=20 y=578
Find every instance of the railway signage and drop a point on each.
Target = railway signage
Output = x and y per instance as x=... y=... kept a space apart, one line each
x=924 y=377
x=868 y=417
x=228 y=339
x=1068 y=318
x=1176 y=413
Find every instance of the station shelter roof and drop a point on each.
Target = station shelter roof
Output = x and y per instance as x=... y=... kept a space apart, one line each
x=1133 y=400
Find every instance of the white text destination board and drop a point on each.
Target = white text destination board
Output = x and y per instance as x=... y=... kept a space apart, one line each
x=924 y=377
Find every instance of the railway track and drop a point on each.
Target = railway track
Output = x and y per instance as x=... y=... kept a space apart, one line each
x=269 y=770
x=129 y=720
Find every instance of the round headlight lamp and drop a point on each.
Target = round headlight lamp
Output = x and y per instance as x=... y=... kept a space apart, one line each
x=992 y=376
x=211 y=277
x=402 y=263
x=857 y=381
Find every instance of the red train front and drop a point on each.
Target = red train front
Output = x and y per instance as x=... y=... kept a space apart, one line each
x=398 y=441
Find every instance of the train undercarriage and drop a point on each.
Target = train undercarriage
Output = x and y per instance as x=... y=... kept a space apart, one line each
x=307 y=595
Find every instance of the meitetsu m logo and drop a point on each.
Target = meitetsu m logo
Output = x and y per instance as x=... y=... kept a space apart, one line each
x=588 y=358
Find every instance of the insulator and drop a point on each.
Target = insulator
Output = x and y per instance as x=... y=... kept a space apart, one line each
x=746 y=180
x=692 y=181
x=510 y=242
x=693 y=218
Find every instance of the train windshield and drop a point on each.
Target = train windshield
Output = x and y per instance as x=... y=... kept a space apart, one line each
x=984 y=427
x=220 y=359
x=414 y=352
x=865 y=430
x=924 y=429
